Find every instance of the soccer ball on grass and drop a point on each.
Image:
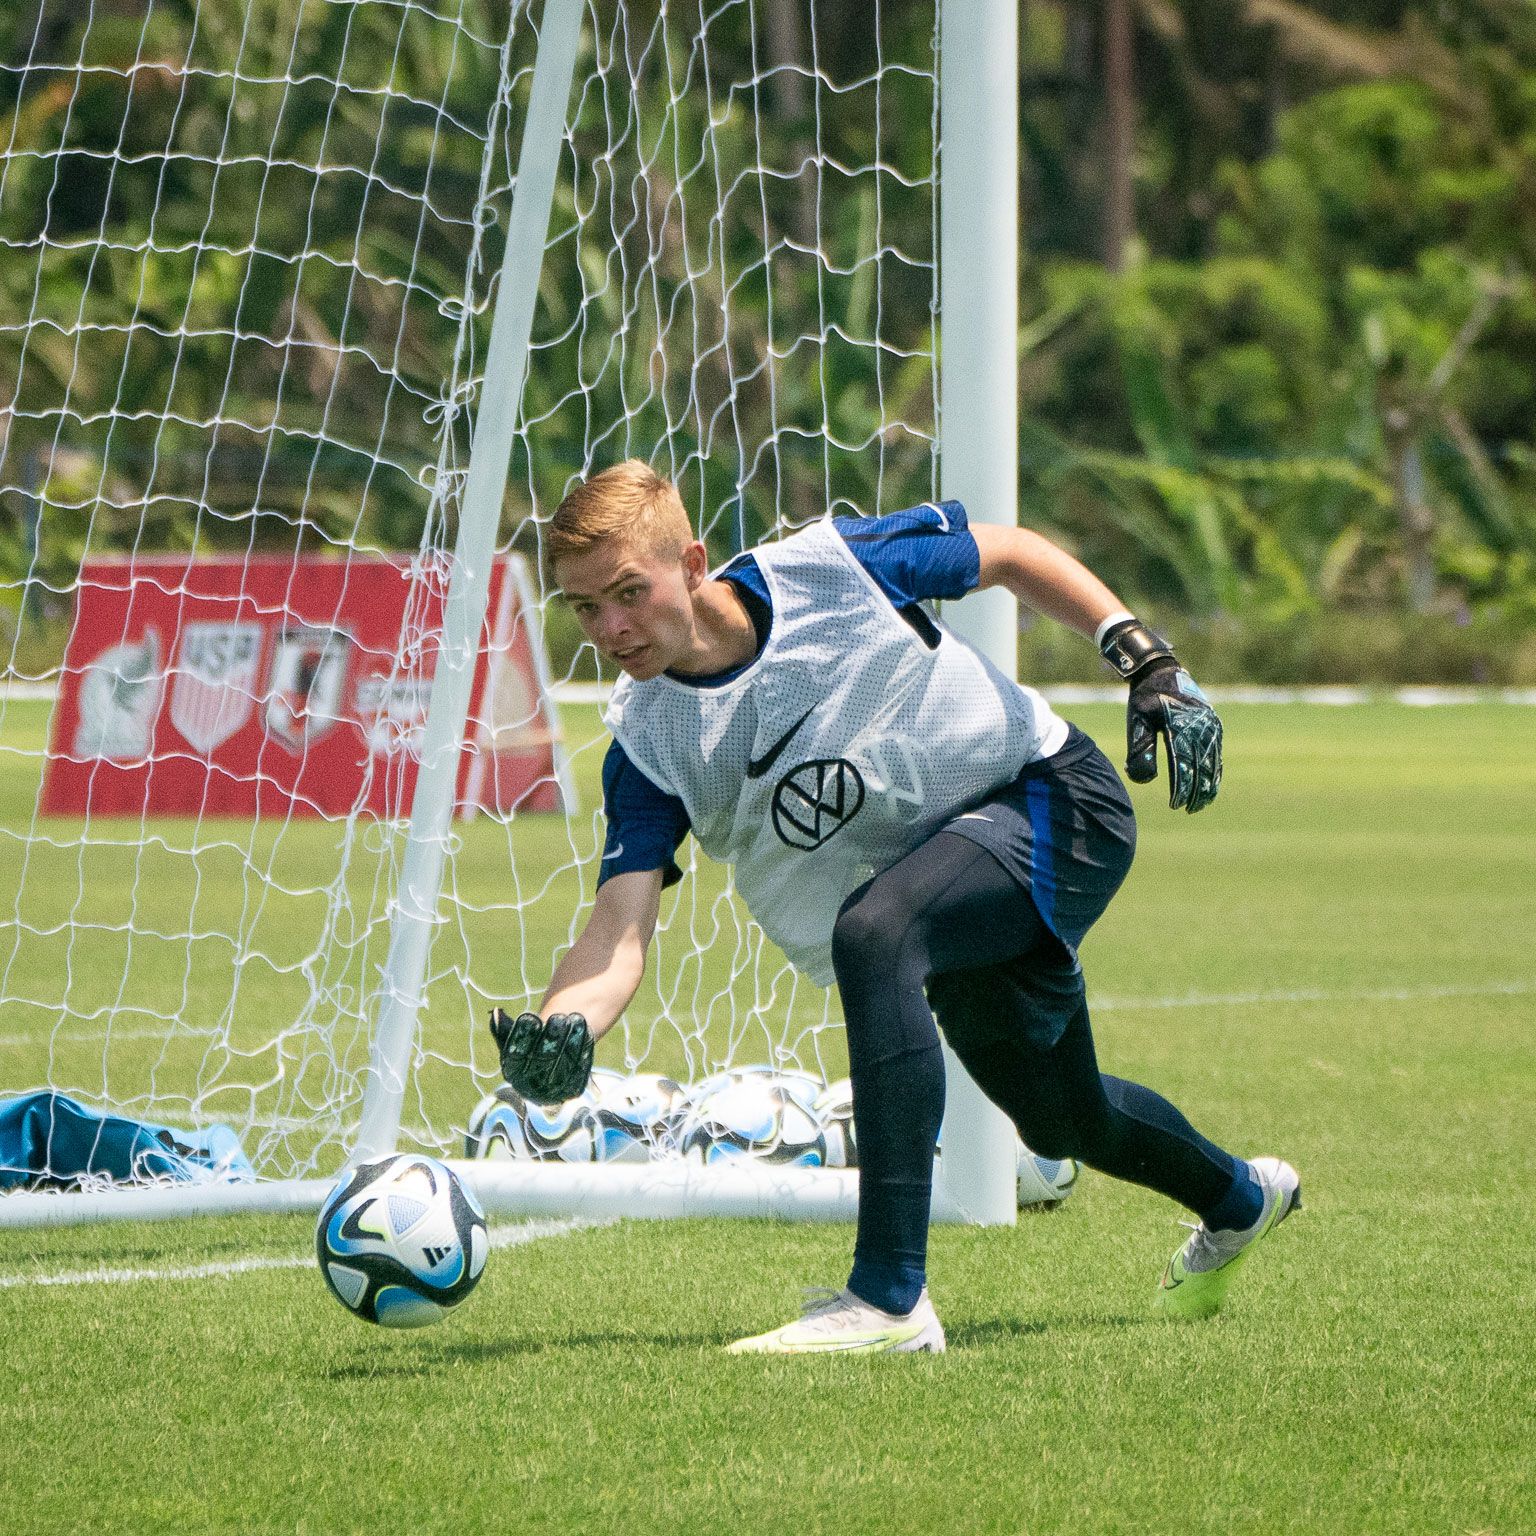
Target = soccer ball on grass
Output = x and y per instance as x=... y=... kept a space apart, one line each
x=401 y=1241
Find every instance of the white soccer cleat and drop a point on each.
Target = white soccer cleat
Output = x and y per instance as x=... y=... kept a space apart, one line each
x=839 y=1323
x=1197 y=1278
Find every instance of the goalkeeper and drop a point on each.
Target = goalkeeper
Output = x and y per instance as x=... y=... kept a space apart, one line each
x=903 y=819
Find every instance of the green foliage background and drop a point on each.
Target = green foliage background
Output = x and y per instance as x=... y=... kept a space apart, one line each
x=1289 y=409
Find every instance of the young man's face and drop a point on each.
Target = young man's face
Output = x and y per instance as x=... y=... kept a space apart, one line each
x=635 y=605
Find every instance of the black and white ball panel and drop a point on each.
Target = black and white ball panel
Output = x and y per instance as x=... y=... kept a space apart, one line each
x=401 y=1241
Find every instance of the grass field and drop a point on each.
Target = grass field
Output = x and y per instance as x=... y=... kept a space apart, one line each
x=1335 y=964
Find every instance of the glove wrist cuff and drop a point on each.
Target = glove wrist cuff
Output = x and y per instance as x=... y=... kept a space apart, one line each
x=1130 y=647
x=1114 y=621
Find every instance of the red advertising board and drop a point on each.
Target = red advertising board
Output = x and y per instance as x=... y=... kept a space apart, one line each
x=274 y=686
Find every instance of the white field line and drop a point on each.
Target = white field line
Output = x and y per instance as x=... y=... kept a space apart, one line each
x=501 y=1237
x=87 y=1036
x=1316 y=995
x=1103 y=1004
x=1060 y=693
x=1235 y=693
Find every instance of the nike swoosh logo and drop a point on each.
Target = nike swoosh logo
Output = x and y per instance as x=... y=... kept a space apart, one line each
x=613 y=853
x=842 y=1346
x=758 y=766
x=972 y=816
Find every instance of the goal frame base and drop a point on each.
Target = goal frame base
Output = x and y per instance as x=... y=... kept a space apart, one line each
x=603 y=1191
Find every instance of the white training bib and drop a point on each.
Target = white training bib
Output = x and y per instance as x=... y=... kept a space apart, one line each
x=847 y=743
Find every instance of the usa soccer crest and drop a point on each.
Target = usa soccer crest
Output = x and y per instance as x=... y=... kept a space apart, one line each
x=812 y=801
x=309 y=671
x=214 y=689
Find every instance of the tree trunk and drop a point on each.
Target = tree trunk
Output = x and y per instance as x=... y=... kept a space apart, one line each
x=787 y=44
x=1119 y=132
x=1416 y=520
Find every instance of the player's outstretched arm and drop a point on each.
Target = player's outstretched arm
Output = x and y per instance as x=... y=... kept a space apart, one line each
x=1165 y=702
x=600 y=973
x=1044 y=576
x=547 y=1056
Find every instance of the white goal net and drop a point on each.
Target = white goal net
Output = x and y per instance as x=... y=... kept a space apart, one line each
x=248 y=268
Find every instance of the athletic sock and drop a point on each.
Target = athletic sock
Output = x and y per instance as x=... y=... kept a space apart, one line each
x=894 y=1288
x=1241 y=1206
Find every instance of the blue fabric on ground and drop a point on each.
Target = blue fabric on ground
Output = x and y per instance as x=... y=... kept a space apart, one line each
x=48 y=1139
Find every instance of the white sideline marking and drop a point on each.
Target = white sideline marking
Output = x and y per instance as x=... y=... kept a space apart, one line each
x=1103 y=1004
x=1317 y=995
x=1062 y=693
x=501 y=1237
x=87 y=1036
x=1233 y=693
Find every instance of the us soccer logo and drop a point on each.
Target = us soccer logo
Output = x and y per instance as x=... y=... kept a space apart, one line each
x=813 y=801
x=309 y=669
x=214 y=689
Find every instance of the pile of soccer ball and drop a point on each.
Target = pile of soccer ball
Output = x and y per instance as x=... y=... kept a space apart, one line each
x=776 y=1117
x=764 y=1113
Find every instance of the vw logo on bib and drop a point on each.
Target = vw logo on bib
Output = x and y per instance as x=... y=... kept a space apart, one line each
x=812 y=801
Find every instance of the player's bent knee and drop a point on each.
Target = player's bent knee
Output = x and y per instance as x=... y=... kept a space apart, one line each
x=1056 y=1140
x=962 y=1012
x=1096 y=1137
x=868 y=937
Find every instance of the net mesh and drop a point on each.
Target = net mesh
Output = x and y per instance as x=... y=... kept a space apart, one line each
x=248 y=261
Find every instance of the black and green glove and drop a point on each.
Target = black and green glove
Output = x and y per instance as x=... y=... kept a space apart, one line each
x=1165 y=702
x=546 y=1060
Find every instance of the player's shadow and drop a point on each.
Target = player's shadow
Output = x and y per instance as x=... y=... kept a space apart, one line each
x=994 y=1329
x=373 y=1369
x=473 y=1351
x=442 y=1354
x=428 y=1358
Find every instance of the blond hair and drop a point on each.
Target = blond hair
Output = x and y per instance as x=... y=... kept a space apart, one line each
x=630 y=504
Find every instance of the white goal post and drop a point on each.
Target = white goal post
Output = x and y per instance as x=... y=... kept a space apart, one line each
x=354 y=1070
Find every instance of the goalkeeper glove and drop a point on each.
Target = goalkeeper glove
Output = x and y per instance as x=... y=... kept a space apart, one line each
x=1165 y=701
x=546 y=1060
